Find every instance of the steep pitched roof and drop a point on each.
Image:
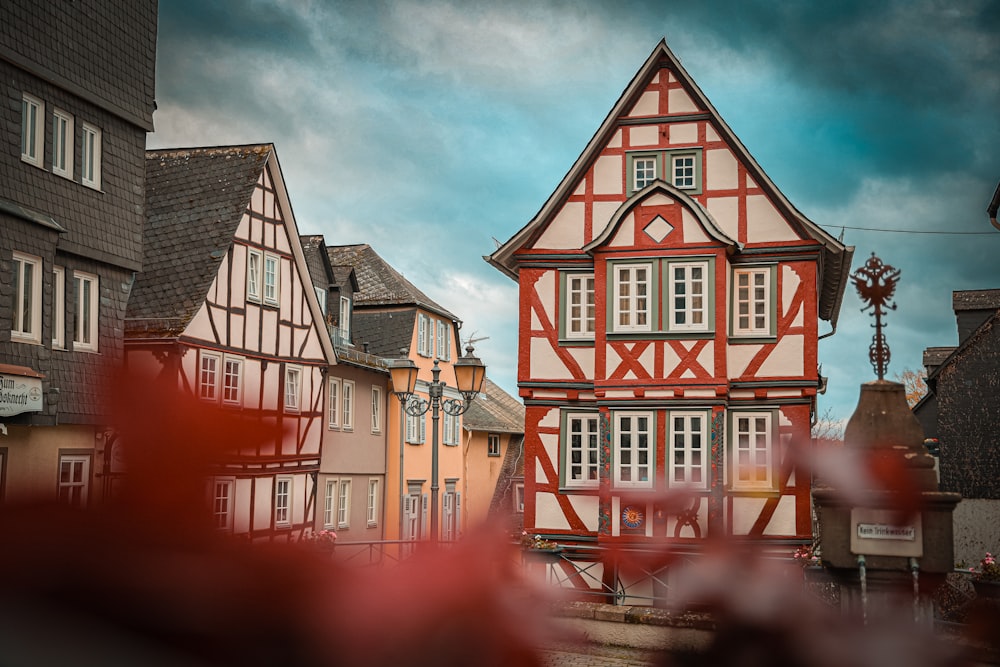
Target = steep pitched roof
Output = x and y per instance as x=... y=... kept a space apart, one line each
x=384 y=332
x=195 y=199
x=836 y=264
x=379 y=284
x=494 y=410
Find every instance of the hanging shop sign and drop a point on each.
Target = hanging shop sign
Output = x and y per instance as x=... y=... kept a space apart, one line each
x=19 y=394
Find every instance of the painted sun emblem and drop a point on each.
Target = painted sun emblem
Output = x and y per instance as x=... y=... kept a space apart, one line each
x=632 y=517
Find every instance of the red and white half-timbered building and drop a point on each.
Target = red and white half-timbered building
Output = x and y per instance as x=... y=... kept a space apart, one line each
x=225 y=308
x=670 y=307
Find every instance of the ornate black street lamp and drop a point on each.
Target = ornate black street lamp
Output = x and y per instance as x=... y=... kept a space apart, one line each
x=469 y=375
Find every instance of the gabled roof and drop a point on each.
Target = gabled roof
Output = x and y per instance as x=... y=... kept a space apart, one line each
x=314 y=250
x=379 y=284
x=836 y=264
x=195 y=199
x=385 y=332
x=494 y=410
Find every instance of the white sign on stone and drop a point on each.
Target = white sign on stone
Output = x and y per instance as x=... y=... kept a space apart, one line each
x=879 y=532
x=19 y=394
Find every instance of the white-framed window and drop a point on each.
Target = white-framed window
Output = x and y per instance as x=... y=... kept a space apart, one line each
x=450 y=515
x=452 y=429
x=255 y=264
x=643 y=170
x=283 y=501
x=579 y=309
x=345 y=320
x=416 y=427
x=62 y=143
x=222 y=504
x=74 y=479
x=58 y=307
x=376 y=409
x=688 y=296
x=32 y=127
x=347 y=414
x=272 y=278
x=683 y=169
x=90 y=156
x=321 y=298
x=632 y=297
x=293 y=388
x=27 y=294
x=581 y=449
x=87 y=302
x=372 y=513
x=493 y=444
x=688 y=449
x=232 y=380
x=333 y=420
x=752 y=450
x=208 y=376
x=412 y=506
x=425 y=336
x=443 y=341
x=633 y=453
x=752 y=302
x=519 y=497
x=330 y=505
x=344 y=504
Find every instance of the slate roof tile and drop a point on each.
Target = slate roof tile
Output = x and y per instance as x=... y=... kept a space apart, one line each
x=495 y=410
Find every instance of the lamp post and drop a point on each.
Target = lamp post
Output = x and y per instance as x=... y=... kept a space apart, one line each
x=469 y=375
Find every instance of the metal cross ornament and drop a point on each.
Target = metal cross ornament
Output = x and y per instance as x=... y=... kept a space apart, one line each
x=876 y=283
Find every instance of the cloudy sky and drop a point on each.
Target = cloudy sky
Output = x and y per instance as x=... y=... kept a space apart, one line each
x=429 y=129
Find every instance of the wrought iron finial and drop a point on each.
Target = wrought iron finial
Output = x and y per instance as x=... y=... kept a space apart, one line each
x=876 y=283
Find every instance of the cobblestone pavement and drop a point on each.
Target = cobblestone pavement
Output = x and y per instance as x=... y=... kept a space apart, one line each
x=595 y=655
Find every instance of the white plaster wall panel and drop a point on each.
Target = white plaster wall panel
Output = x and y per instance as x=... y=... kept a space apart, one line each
x=587 y=396
x=619 y=393
x=710 y=133
x=587 y=508
x=616 y=140
x=745 y=513
x=607 y=177
x=648 y=104
x=648 y=359
x=688 y=531
x=616 y=511
x=536 y=324
x=242 y=492
x=764 y=223
x=545 y=363
x=625 y=235
x=281 y=241
x=693 y=231
x=252 y=329
x=678 y=101
x=298 y=499
x=660 y=393
x=684 y=133
x=550 y=419
x=726 y=211
x=540 y=476
x=789 y=284
x=738 y=357
x=670 y=361
x=751 y=184
x=542 y=393
x=584 y=356
x=741 y=393
x=581 y=188
x=786 y=359
x=655 y=80
x=721 y=170
x=269 y=343
x=643 y=135
x=783 y=520
x=566 y=229
x=707 y=358
x=251 y=384
x=545 y=288
x=263 y=502
x=659 y=199
x=698 y=393
x=548 y=514
x=199 y=327
x=271 y=381
x=611 y=360
x=601 y=212
x=239 y=287
x=783 y=393
x=257 y=200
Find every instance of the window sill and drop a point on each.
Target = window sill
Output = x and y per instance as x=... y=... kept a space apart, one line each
x=576 y=342
x=659 y=335
x=750 y=340
x=18 y=339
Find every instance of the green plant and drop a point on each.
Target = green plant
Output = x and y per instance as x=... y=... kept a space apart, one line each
x=536 y=542
x=989 y=569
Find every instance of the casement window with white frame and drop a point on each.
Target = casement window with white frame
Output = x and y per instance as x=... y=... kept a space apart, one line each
x=443 y=341
x=222 y=504
x=752 y=302
x=293 y=388
x=330 y=505
x=283 y=501
x=208 y=375
x=519 y=497
x=680 y=167
x=32 y=128
x=493 y=444
x=632 y=297
x=644 y=170
x=376 y=409
x=633 y=449
x=683 y=171
x=452 y=429
x=579 y=308
x=333 y=420
x=255 y=267
x=272 y=279
x=90 y=156
x=688 y=296
x=416 y=428
x=58 y=308
x=450 y=515
x=688 y=449
x=344 y=505
x=347 y=413
x=373 y=496
x=344 y=326
x=321 y=298
x=752 y=451
x=26 y=291
x=87 y=303
x=425 y=336
x=580 y=437
x=73 y=484
x=232 y=380
x=62 y=143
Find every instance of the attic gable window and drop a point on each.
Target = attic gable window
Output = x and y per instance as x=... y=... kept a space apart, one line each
x=682 y=167
x=254 y=264
x=272 y=275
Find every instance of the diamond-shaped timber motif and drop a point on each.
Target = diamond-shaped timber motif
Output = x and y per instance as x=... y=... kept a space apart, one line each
x=658 y=229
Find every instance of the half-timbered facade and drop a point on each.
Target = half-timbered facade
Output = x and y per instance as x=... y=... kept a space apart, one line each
x=225 y=308
x=670 y=307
